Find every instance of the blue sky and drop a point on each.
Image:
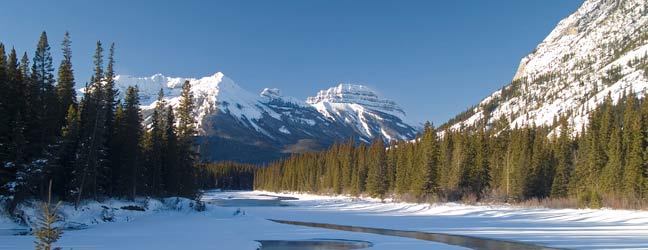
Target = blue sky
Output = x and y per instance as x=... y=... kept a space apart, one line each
x=435 y=58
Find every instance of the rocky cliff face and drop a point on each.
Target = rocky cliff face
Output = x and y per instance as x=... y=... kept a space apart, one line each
x=600 y=50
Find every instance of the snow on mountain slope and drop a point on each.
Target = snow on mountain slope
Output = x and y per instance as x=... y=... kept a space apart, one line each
x=357 y=94
x=600 y=49
x=364 y=109
x=211 y=92
x=225 y=110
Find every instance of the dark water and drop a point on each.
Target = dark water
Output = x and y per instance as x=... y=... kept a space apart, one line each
x=457 y=240
x=275 y=201
x=316 y=244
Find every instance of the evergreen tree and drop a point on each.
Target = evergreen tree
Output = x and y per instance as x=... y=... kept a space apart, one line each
x=68 y=152
x=425 y=180
x=480 y=170
x=16 y=106
x=635 y=167
x=561 y=179
x=186 y=118
x=376 y=179
x=65 y=83
x=612 y=173
x=154 y=146
x=46 y=104
x=5 y=118
x=170 y=157
x=110 y=104
x=186 y=130
x=131 y=131
x=90 y=171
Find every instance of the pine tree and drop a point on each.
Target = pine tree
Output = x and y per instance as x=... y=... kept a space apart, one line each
x=131 y=152
x=45 y=98
x=376 y=179
x=90 y=171
x=110 y=104
x=5 y=118
x=119 y=175
x=424 y=179
x=16 y=107
x=154 y=145
x=186 y=130
x=170 y=157
x=361 y=169
x=401 y=185
x=42 y=66
x=65 y=83
x=68 y=152
x=635 y=167
x=186 y=118
x=480 y=171
x=561 y=179
x=612 y=173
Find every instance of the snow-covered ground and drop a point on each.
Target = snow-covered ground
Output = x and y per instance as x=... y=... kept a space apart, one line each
x=167 y=225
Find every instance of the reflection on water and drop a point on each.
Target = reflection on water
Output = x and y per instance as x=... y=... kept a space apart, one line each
x=316 y=244
x=458 y=240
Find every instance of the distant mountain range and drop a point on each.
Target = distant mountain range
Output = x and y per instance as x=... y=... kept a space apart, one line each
x=600 y=50
x=237 y=125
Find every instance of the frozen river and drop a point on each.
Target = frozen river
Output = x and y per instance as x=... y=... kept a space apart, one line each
x=239 y=220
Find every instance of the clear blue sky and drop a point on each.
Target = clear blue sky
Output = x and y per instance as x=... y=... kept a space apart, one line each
x=435 y=58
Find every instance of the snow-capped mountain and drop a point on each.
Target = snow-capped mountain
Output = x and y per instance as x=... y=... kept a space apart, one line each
x=361 y=107
x=233 y=122
x=600 y=49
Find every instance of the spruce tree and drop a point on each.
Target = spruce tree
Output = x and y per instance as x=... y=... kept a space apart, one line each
x=635 y=166
x=91 y=171
x=131 y=152
x=480 y=171
x=68 y=152
x=154 y=145
x=45 y=98
x=186 y=131
x=612 y=173
x=4 y=114
x=561 y=179
x=170 y=154
x=6 y=174
x=186 y=118
x=65 y=84
x=376 y=179
x=110 y=104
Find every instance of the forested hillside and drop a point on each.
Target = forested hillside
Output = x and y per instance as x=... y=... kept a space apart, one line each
x=604 y=166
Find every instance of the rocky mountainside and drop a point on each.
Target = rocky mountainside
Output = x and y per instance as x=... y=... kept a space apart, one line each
x=235 y=124
x=600 y=50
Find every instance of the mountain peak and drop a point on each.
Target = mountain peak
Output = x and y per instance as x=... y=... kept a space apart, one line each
x=601 y=49
x=346 y=93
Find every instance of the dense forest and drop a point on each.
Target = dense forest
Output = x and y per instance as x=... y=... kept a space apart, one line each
x=90 y=147
x=226 y=175
x=606 y=165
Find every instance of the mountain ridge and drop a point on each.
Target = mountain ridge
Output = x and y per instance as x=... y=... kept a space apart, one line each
x=274 y=124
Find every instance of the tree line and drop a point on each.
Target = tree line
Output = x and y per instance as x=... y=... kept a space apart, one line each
x=92 y=147
x=226 y=175
x=604 y=164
